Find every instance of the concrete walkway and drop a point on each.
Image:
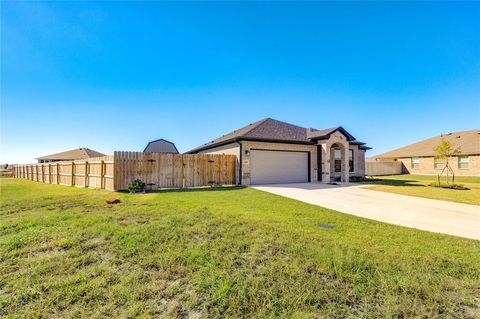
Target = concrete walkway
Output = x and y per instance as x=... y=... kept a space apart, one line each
x=427 y=214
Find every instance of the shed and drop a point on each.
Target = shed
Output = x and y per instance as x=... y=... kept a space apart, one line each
x=160 y=146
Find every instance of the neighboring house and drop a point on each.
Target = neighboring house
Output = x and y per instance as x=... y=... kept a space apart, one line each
x=71 y=155
x=271 y=151
x=160 y=146
x=419 y=158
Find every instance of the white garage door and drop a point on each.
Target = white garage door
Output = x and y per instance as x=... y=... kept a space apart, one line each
x=275 y=167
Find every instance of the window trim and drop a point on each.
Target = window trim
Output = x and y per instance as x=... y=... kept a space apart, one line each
x=415 y=164
x=467 y=162
x=437 y=161
x=351 y=165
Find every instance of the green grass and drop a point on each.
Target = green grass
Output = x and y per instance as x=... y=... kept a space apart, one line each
x=417 y=185
x=224 y=253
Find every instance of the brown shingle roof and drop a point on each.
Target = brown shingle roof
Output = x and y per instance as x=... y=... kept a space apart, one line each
x=273 y=130
x=468 y=141
x=79 y=153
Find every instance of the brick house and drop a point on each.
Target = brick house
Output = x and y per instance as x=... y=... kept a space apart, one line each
x=271 y=151
x=419 y=158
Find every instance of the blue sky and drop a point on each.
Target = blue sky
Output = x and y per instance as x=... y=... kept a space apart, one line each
x=115 y=75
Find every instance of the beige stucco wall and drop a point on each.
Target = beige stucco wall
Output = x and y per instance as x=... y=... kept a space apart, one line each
x=426 y=166
x=234 y=149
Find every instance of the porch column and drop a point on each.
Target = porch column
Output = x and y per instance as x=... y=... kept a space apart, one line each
x=345 y=166
x=325 y=165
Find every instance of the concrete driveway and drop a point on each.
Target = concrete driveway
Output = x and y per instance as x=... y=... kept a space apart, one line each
x=427 y=214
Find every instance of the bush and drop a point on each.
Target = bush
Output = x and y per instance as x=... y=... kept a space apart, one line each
x=136 y=186
x=356 y=179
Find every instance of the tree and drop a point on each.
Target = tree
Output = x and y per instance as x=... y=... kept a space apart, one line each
x=444 y=151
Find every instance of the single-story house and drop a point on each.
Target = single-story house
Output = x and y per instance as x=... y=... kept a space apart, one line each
x=71 y=155
x=271 y=151
x=419 y=158
x=160 y=146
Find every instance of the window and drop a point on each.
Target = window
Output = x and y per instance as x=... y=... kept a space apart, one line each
x=415 y=162
x=463 y=162
x=337 y=160
x=438 y=163
x=350 y=160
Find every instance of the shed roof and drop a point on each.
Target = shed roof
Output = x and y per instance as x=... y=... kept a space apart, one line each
x=467 y=141
x=161 y=146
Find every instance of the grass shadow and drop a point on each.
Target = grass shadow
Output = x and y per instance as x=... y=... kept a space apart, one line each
x=395 y=182
x=193 y=189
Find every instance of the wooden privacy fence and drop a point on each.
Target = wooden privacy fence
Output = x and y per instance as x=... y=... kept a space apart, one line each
x=157 y=170
x=174 y=170
x=383 y=168
x=93 y=172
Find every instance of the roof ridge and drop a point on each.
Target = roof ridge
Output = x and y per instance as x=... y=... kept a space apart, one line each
x=255 y=125
x=270 y=119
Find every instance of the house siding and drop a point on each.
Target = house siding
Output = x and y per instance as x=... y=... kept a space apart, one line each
x=234 y=149
x=426 y=166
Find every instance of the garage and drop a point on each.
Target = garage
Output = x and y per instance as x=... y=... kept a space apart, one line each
x=277 y=167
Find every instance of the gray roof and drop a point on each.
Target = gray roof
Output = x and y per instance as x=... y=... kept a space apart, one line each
x=160 y=146
x=272 y=130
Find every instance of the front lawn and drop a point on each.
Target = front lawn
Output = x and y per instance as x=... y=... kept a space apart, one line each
x=223 y=253
x=417 y=185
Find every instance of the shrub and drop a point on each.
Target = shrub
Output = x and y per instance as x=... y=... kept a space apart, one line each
x=136 y=186
x=356 y=179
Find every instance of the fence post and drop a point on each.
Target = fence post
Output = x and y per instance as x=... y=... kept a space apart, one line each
x=183 y=171
x=73 y=172
x=101 y=174
x=86 y=173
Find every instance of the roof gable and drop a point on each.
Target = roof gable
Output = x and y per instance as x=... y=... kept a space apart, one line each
x=315 y=134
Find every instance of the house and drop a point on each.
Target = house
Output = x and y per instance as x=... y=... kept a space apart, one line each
x=419 y=158
x=76 y=154
x=271 y=151
x=160 y=146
